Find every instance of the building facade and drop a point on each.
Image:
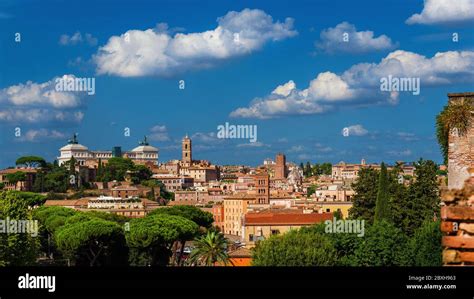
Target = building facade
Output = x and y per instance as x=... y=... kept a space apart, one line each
x=143 y=154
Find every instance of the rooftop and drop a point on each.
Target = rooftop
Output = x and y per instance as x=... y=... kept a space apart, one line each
x=285 y=218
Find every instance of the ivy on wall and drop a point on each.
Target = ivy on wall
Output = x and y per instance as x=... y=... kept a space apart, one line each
x=455 y=116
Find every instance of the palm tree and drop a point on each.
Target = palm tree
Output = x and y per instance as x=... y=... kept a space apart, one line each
x=210 y=249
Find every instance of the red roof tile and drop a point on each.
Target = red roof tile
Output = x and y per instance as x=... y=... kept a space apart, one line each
x=286 y=219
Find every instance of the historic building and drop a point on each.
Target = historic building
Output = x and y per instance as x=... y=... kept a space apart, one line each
x=200 y=170
x=280 y=166
x=143 y=154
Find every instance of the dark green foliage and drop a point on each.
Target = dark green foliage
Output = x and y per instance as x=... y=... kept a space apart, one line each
x=308 y=171
x=93 y=242
x=311 y=190
x=116 y=169
x=140 y=173
x=16 y=249
x=382 y=203
x=32 y=199
x=210 y=249
x=366 y=195
x=57 y=180
x=293 y=249
x=453 y=116
x=423 y=197
x=382 y=245
x=16 y=177
x=31 y=161
x=425 y=245
x=322 y=169
x=150 y=239
x=198 y=216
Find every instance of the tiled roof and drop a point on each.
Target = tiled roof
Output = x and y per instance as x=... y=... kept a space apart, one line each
x=241 y=196
x=241 y=252
x=13 y=170
x=63 y=203
x=286 y=219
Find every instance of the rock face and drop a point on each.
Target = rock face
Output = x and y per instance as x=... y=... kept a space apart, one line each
x=461 y=148
x=457 y=224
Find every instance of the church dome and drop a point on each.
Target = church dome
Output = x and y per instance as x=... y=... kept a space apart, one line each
x=74 y=147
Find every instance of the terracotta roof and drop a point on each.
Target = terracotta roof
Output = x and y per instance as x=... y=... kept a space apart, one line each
x=182 y=203
x=147 y=202
x=13 y=170
x=286 y=219
x=241 y=196
x=61 y=203
x=241 y=252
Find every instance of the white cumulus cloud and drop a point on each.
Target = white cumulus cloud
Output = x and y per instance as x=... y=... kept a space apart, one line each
x=360 y=84
x=444 y=11
x=77 y=38
x=40 y=102
x=154 y=52
x=345 y=38
x=36 y=135
x=354 y=130
x=159 y=133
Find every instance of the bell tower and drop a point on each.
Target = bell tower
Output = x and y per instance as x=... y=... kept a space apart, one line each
x=187 y=153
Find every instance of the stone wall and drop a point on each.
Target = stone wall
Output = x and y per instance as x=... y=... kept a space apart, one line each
x=461 y=148
x=457 y=224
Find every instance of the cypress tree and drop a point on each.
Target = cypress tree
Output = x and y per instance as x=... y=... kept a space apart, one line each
x=382 y=204
x=99 y=171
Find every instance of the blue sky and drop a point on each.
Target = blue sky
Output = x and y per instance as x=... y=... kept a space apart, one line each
x=336 y=84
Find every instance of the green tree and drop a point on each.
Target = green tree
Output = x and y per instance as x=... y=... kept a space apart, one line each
x=311 y=190
x=100 y=171
x=382 y=204
x=150 y=239
x=18 y=176
x=16 y=249
x=425 y=245
x=140 y=173
x=210 y=249
x=295 y=248
x=57 y=180
x=382 y=245
x=31 y=162
x=92 y=242
x=195 y=214
x=117 y=168
x=198 y=216
x=326 y=168
x=366 y=195
x=423 y=202
x=308 y=170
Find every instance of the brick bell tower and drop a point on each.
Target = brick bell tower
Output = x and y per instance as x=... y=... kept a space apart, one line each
x=187 y=153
